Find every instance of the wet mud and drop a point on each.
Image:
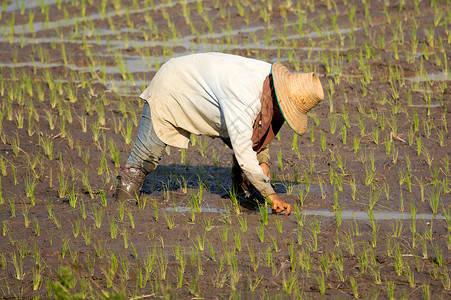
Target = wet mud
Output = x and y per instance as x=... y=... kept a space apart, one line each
x=370 y=180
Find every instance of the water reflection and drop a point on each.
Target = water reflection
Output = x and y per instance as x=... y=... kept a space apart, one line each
x=346 y=214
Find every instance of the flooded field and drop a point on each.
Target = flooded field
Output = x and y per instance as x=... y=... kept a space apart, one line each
x=370 y=181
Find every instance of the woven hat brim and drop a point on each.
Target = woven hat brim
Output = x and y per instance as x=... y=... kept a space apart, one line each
x=295 y=118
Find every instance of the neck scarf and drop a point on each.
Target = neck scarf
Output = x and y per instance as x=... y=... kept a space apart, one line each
x=269 y=120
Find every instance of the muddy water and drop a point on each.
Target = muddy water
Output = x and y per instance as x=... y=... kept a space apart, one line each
x=439 y=76
x=345 y=214
x=18 y=5
x=40 y=26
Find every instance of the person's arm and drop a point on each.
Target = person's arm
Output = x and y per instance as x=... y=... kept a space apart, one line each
x=239 y=120
x=277 y=204
x=263 y=160
x=265 y=169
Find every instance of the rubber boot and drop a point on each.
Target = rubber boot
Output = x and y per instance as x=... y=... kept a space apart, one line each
x=129 y=183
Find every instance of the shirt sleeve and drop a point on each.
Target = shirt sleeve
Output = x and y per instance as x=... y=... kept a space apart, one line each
x=239 y=118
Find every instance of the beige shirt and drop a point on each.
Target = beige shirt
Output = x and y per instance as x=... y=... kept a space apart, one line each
x=211 y=94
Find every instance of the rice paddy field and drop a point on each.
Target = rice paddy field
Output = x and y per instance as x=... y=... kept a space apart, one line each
x=370 y=181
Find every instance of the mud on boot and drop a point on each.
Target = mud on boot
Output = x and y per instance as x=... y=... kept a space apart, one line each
x=129 y=183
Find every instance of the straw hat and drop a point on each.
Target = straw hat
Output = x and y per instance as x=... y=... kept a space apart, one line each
x=296 y=94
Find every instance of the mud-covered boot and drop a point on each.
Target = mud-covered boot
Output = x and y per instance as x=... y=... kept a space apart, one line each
x=129 y=183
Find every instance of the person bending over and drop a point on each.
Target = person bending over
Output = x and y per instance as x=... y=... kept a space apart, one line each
x=241 y=100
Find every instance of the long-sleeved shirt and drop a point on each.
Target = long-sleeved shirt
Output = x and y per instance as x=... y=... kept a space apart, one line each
x=211 y=94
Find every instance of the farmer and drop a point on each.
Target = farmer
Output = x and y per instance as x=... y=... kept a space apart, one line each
x=243 y=101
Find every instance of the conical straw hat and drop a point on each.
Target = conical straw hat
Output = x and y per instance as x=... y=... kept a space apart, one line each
x=296 y=94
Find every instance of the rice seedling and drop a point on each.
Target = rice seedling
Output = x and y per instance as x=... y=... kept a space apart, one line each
x=300 y=218
x=203 y=144
x=83 y=212
x=201 y=242
x=390 y=289
x=363 y=259
x=398 y=260
x=338 y=215
x=96 y=129
x=64 y=246
x=419 y=145
x=3 y=166
x=279 y=159
x=445 y=279
x=369 y=176
x=243 y=223
x=434 y=199
x=99 y=248
x=260 y=232
x=337 y=259
x=237 y=239
x=426 y=292
x=13 y=169
x=315 y=229
x=274 y=243
x=87 y=233
x=102 y=165
x=279 y=225
x=375 y=135
x=263 y=209
x=211 y=251
x=18 y=266
x=130 y=218
x=12 y=206
x=114 y=152
x=333 y=124
x=23 y=249
x=388 y=145
x=397 y=229
x=343 y=134
x=37 y=228
x=86 y=183
x=125 y=237
x=361 y=125
x=354 y=287
x=30 y=185
x=424 y=246
x=307 y=182
x=428 y=156
x=439 y=256
x=323 y=141
x=4 y=227
x=169 y=220
x=15 y=145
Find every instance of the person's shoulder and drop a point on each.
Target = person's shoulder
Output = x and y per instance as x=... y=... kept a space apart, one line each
x=218 y=56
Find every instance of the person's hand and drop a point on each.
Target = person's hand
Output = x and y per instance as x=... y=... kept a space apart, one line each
x=278 y=205
x=265 y=169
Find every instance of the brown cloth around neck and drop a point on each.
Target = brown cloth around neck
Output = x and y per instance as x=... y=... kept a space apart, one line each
x=269 y=120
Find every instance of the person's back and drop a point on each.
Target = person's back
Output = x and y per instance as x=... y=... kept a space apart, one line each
x=190 y=94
